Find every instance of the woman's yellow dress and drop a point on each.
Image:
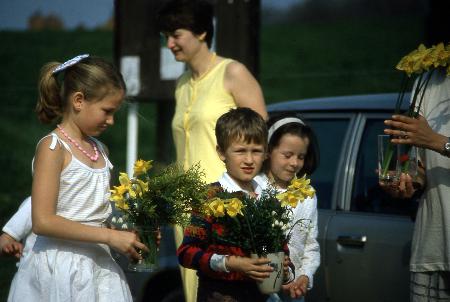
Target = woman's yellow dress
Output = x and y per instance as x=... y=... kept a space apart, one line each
x=199 y=103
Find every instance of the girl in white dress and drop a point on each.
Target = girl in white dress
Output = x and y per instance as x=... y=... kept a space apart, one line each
x=292 y=152
x=71 y=259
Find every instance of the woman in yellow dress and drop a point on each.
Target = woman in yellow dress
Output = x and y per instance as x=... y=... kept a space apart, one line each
x=210 y=87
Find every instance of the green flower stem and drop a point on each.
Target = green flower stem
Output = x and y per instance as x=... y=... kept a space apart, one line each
x=401 y=95
x=415 y=94
x=387 y=158
x=250 y=231
x=412 y=112
x=148 y=238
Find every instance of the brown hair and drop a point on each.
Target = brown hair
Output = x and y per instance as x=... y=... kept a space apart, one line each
x=194 y=15
x=303 y=131
x=240 y=124
x=93 y=76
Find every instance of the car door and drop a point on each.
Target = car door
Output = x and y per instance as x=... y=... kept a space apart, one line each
x=332 y=132
x=367 y=246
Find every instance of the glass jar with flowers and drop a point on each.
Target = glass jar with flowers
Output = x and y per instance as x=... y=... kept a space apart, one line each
x=149 y=202
x=418 y=67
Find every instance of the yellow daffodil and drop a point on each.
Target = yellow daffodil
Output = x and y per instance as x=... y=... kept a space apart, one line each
x=117 y=196
x=422 y=59
x=440 y=55
x=234 y=207
x=117 y=193
x=134 y=191
x=289 y=199
x=122 y=205
x=217 y=207
x=140 y=187
x=297 y=191
x=141 y=166
x=124 y=180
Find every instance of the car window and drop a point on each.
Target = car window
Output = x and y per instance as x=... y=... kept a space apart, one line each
x=330 y=134
x=367 y=195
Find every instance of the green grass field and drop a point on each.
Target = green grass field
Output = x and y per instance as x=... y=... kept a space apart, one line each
x=297 y=61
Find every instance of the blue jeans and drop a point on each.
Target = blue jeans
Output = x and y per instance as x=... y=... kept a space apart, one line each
x=283 y=298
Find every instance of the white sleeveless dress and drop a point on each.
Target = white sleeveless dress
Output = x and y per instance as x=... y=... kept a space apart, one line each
x=61 y=270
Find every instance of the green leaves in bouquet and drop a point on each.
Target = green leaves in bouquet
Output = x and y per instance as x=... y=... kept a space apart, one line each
x=259 y=226
x=173 y=193
x=269 y=222
x=165 y=197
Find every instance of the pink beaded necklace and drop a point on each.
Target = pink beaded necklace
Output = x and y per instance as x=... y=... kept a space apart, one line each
x=91 y=157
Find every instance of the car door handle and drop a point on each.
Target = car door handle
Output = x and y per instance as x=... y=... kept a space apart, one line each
x=355 y=241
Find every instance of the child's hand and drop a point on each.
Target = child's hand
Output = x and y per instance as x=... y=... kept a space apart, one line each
x=256 y=269
x=298 y=288
x=286 y=271
x=9 y=246
x=126 y=243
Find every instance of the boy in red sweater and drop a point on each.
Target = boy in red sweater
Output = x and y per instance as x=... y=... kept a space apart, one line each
x=226 y=272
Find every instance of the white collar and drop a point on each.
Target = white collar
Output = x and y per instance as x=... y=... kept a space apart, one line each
x=264 y=182
x=228 y=184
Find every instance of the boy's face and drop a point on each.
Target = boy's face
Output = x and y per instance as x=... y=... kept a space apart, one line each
x=243 y=161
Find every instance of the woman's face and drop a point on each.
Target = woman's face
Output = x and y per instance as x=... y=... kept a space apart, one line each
x=184 y=44
x=287 y=159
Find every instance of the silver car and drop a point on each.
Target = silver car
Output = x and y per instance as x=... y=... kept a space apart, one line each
x=364 y=234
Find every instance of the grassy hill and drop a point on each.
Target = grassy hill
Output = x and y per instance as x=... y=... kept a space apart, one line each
x=297 y=61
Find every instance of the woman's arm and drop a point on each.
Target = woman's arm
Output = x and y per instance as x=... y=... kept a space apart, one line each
x=416 y=132
x=48 y=165
x=244 y=88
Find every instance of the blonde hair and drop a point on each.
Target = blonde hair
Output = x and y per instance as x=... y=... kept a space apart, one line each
x=93 y=76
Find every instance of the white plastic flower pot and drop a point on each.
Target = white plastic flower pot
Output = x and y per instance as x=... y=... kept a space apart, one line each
x=273 y=283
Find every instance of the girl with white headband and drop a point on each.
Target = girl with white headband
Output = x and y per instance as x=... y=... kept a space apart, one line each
x=292 y=152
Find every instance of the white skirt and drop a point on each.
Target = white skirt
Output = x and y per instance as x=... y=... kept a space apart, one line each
x=59 y=270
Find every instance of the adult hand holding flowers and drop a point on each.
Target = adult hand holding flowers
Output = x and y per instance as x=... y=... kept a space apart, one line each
x=411 y=129
x=406 y=187
x=414 y=131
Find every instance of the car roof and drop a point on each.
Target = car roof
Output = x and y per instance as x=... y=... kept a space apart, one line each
x=362 y=102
